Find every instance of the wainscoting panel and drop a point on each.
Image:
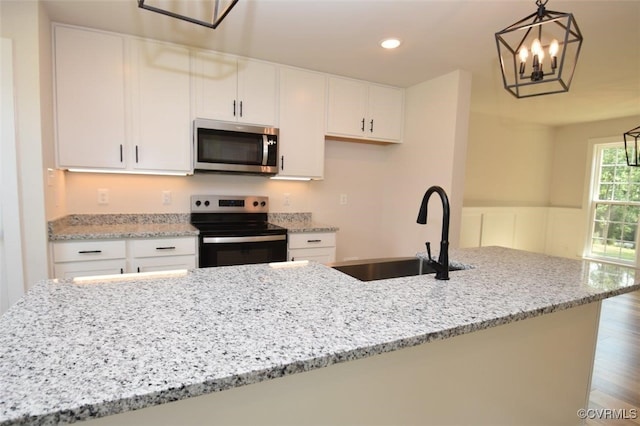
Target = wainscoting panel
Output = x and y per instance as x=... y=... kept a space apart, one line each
x=551 y=230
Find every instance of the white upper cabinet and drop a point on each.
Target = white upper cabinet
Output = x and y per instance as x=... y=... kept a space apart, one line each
x=231 y=89
x=302 y=121
x=161 y=101
x=90 y=101
x=361 y=110
x=121 y=103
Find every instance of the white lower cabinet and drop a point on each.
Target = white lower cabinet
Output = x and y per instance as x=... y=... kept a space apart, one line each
x=316 y=246
x=105 y=257
x=163 y=254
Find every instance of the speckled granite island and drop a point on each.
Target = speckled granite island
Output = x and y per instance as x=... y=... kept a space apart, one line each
x=510 y=341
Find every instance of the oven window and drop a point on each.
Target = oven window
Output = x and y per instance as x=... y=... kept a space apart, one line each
x=219 y=146
x=227 y=254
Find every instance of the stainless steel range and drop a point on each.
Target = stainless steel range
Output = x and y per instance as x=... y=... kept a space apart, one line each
x=234 y=231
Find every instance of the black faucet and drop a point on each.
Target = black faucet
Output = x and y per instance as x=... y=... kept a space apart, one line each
x=442 y=265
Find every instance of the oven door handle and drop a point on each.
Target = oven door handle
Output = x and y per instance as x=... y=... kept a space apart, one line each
x=254 y=239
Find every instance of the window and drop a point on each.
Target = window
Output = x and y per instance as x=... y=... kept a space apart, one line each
x=615 y=206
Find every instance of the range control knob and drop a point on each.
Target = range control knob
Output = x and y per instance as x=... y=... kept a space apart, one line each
x=255 y=204
x=206 y=203
x=264 y=203
x=198 y=203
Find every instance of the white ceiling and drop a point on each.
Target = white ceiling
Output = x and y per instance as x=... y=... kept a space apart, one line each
x=342 y=36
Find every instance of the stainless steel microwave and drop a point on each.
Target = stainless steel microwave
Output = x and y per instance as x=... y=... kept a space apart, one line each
x=222 y=146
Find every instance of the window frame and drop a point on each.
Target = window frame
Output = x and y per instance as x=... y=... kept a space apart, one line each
x=594 y=200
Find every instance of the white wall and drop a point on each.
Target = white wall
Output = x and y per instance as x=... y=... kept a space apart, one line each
x=508 y=162
x=21 y=21
x=436 y=124
x=572 y=155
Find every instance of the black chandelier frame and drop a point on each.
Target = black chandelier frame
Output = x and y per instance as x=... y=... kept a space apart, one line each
x=218 y=15
x=515 y=80
x=631 y=139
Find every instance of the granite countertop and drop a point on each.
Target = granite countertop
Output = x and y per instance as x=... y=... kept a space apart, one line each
x=115 y=226
x=71 y=351
x=299 y=222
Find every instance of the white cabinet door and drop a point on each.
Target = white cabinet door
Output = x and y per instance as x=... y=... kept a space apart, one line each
x=231 y=89
x=361 y=110
x=302 y=120
x=161 y=113
x=257 y=85
x=347 y=107
x=89 y=98
x=167 y=263
x=386 y=111
x=85 y=269
x=316 y=246
x=215 y=84
x=320 y=255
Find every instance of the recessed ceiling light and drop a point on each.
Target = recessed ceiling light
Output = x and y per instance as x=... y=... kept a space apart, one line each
x=390 y=43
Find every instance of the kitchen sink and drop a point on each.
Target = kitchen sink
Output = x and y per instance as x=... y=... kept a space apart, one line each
x=380 y=269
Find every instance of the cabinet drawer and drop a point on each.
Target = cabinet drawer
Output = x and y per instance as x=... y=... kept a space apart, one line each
x=314 y=239
x=163 y=247
x=79 y=251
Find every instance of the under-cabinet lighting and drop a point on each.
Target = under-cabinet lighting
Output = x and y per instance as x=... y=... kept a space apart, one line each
x=290 y=178
x=291 y=264
x=131 y=277
x=127 y=172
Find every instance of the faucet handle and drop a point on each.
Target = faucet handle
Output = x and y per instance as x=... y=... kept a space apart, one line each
x=428 y=244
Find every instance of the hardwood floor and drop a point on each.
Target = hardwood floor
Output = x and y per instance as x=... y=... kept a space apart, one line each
x=616 y=376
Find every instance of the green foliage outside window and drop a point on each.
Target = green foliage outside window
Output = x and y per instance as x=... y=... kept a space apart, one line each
x=617 y=207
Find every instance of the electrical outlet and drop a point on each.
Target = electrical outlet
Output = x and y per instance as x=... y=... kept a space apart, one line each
x=166 y=197
x=287 y=199
x=103 y=196
x=343 y=199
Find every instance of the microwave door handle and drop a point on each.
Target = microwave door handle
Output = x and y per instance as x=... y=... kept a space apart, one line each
x=265 y=150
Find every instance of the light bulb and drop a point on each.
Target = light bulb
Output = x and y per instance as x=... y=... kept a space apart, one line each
x=524 y=54
x=553 y=48
x=536 y=47
x=541 y=56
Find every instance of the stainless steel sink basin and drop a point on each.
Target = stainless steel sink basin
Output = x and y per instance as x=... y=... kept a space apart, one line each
x=380 y=269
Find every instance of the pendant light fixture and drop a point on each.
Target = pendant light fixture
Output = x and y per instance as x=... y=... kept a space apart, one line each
x=185 y=9
x=538 y=54
x=631 y=147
